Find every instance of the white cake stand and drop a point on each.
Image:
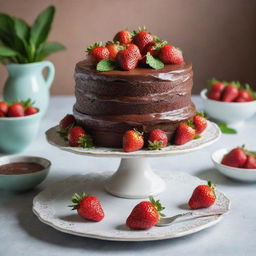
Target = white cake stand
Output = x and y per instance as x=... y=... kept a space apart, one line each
x=134 y=178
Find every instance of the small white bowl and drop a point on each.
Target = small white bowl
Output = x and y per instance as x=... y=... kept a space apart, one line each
x=242 y=174
x=228 y=112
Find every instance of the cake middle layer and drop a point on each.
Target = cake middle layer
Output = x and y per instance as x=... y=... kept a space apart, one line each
x=110 y=103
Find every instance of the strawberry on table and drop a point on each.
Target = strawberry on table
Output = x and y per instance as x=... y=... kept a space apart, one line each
x=129 y=57
x=132 y=140
x=168 y=54
x=200 y=122
x=16 y=110
x=250 y=162
x=157 y=139
x=30 y=111
x=3 y=107
x=235 y=158
x=78 y=138
x=230 y=92
x=142 y=39
x=97 y=52
x=88 y=207
x=145 y=215
x=123 y=36
x=185 y=132
x=216 y=89
x=203 y=196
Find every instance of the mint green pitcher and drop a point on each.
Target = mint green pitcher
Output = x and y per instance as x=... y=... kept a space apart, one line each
x=27 y=81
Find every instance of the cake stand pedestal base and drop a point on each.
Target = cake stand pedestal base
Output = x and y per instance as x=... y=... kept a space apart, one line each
x=134 y=179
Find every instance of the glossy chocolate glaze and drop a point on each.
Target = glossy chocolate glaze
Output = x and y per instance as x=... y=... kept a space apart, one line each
x=109 y=103
x=18 y=168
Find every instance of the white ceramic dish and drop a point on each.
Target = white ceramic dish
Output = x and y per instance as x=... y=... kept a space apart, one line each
x=134 y=177
x=228 y=112
x=51 y=207
x=247 y=175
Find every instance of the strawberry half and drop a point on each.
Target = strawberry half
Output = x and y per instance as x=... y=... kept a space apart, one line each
x=88 y=207
x=145 y=215
x=157 y=139
x=132 y=140
x=203 y=196
x=185 y=132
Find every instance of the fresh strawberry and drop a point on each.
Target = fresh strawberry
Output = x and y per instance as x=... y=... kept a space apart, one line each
x=235 y=158
x=145 y=215
x=67 y=122
x=132 y=141
x=168 y=54
x=88 y=207
x=16 y=110
x=113 y=48
x=185 y=132
x=142 y=39
x=250 y=162
x=3 y=107
x=200 y=122
x=215 y=90
x=78 y=138
x=244 y=96
x=2 y=114
x=123 y=36
x=151 y=49
x=157 y=139
x=203 y=196
x=97 y=52
x=129 y=57
x=30 y=111
x=230 y=93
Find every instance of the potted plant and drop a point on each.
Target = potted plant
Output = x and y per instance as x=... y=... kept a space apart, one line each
x=23 y=49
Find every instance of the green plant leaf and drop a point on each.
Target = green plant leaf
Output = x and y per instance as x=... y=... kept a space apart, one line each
x=106 y=65
x=154 y=62
x=22 y=29
x=42 y=26
x=225 y=129
x=7 y=52
x=46 y=49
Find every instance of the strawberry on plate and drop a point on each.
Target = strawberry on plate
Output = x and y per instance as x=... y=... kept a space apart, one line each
x=200 y=122
x=157 y=139
x=185 y=132
x=132 y=140
x=67 y=122
x=16 y=110
x=3 y=107
x=97 y=52
x=203 y=196
x=88 y=207
x=230 y=92
x=123 y=37
x=168 y=54
x=142 y=39
x=235 y=158
x=78 y=138
x=145 y=215
x=216 y=88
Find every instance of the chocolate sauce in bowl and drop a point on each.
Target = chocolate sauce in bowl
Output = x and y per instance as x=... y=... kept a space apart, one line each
x=17 y=168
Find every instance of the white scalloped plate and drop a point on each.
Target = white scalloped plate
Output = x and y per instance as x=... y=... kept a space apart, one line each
x=51 y=208
x=209 y=136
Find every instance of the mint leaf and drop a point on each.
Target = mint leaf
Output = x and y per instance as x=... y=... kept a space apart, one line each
x=106 y=65
x=225 y=129
x=154 y=62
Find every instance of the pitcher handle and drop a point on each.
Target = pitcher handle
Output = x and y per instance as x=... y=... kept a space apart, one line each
x=50 y=74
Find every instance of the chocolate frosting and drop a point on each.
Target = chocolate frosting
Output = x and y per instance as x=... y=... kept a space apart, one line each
x=109 y=103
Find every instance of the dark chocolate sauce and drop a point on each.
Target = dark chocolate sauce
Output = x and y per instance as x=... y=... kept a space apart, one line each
x=20 y=168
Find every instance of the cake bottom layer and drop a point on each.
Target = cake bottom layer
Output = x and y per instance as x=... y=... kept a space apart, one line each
x=107 y=131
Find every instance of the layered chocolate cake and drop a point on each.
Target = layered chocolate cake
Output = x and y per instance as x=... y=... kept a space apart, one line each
x=110 y=103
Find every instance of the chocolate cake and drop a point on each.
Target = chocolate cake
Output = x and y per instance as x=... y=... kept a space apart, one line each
x=110 y=103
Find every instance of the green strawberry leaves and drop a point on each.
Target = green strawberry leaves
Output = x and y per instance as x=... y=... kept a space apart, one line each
x=76 y=199
x=154 y=62
x=225 y=129
x=157 y=205
x=106 y=65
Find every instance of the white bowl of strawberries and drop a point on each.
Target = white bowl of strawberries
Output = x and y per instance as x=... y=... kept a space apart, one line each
x=238 y=163
x=229 y=102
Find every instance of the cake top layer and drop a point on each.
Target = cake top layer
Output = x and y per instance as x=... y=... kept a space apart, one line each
x=168 y=72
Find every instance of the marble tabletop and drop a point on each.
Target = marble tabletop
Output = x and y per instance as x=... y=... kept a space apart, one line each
x=21 y=233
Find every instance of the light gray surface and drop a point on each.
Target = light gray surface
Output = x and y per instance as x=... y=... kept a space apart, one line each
x=21 y=233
